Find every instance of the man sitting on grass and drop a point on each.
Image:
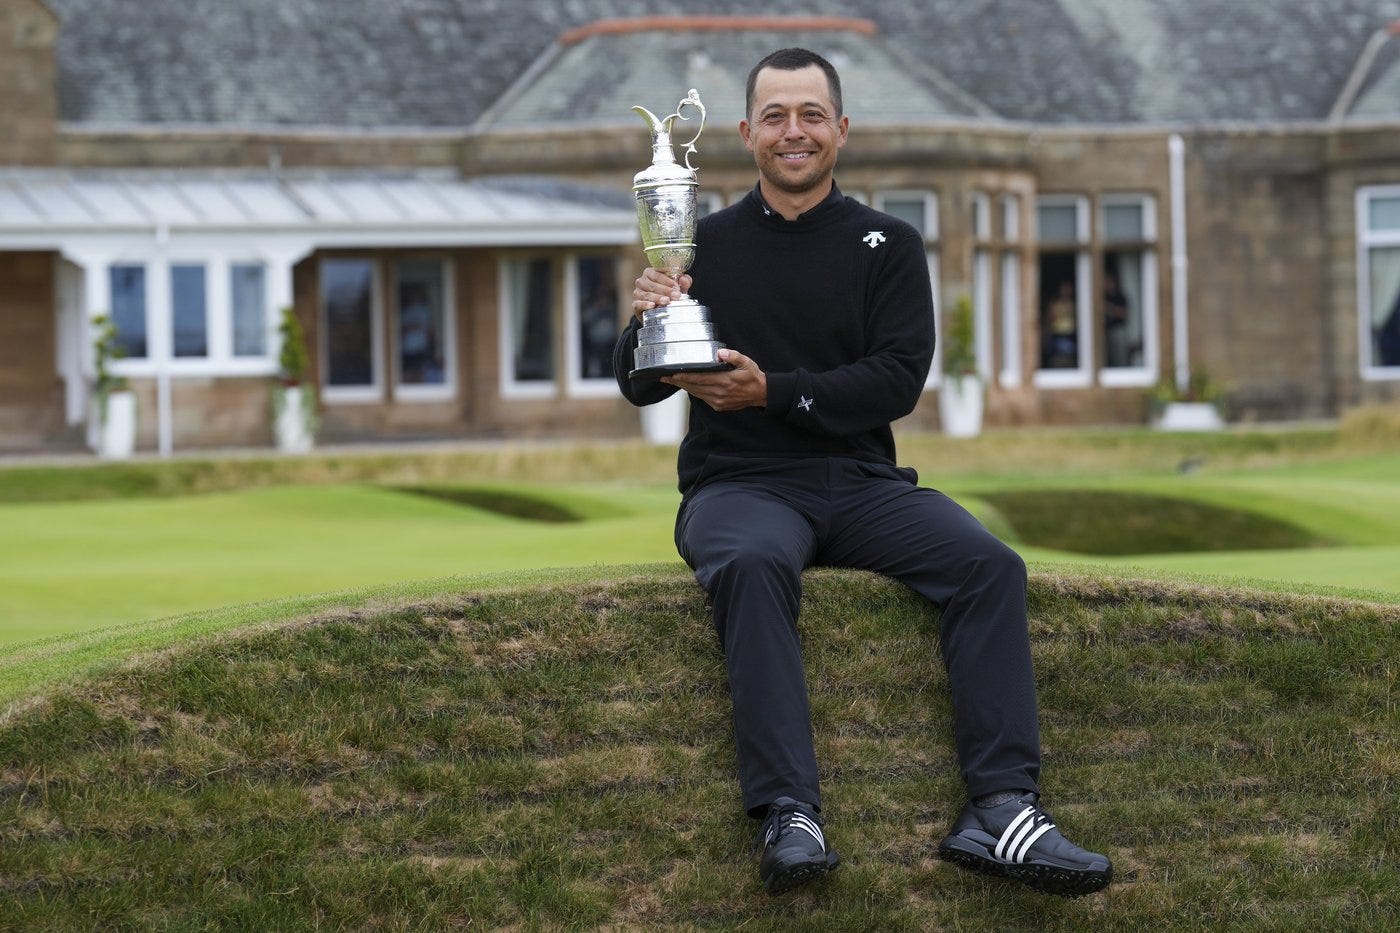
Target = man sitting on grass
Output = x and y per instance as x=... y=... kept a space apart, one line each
x=789 y=462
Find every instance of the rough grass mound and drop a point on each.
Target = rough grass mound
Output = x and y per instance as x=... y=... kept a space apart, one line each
x=561 y=758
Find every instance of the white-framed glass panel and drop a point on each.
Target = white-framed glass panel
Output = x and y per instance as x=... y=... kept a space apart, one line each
x=1128 y=290
x=423 y=330
x=1010 y=217
x=1378 y=253
x=127 y=282
x=189 y=311
x=982 y=311
x=919 y=209
x=1010 y=320
x=935 y=371
x=248 y=318
x=1066 y=337
x=350 y=331
x=981 y=216
x=591 y=324
x=527 y=327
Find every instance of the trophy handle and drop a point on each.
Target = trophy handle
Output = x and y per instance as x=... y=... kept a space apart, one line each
x=690 y=100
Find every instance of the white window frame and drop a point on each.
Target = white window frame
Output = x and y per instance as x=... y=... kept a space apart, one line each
x=1366 y=240
x=981 y=216
x=935 y=371
x=1010 y=376
x=219 y=361
x=1144 y=375
x=1081 y=376
x=577 y=385
x=373 y=392
x=510 y=387
x=447 y=390
x=1010 y=275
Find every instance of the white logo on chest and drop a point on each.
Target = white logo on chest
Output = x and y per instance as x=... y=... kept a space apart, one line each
x=805 y=403
x=874 y=238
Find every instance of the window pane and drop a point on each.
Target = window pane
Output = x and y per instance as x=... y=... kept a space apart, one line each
x=1123 y=222
x=1059 y=312
x=532 y=303
x=1385 y=306
x=248 y=301
x=346 y=290
x=1057 y=223
x=129 y=308
x=1385 y=213
x=910 y=210
x=1010 y=217
x=188 y=320
x=1122 y=309
x=421 y=322
x=597 y=316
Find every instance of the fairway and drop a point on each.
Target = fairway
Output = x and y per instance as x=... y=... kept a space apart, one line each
x=74 y=565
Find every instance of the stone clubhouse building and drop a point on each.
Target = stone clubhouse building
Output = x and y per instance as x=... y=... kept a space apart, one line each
x=1127 y=192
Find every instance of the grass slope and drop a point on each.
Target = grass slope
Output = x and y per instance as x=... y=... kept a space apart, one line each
x=560 y=756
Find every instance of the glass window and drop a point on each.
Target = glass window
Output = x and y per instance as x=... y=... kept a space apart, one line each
x=912 y=209
x=1010 y=319
x=129 y=308
x=1057 y=223
x=1385 y=305
x=1127 y=283
x=347 y=301
x=597 y=316
x=422 y=323
x=188 y=318
x=1123 y=223
x=530 y=320
x=1384 y=213
x=1010 y=217
x=1059 y=314
x=248 y=306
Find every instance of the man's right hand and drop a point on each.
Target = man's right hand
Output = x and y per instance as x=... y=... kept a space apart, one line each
x=657 y=289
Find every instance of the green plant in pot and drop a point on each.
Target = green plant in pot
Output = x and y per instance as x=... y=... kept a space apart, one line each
x=112 y=424
x=960 y=400
x=293 y=399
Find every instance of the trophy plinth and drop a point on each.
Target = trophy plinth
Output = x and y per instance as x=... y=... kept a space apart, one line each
x=679 y=336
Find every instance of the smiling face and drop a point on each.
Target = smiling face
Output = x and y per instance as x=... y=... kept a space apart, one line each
x=794 y=132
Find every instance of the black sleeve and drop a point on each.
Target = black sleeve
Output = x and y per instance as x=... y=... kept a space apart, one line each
x=637 y=391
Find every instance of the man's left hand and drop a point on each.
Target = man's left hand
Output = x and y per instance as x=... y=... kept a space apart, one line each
x=744 y=386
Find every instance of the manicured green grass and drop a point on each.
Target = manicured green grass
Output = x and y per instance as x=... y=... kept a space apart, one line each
x=75 y=566
x=560 y=757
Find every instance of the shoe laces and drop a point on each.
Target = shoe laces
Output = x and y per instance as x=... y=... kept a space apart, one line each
x=788 y=818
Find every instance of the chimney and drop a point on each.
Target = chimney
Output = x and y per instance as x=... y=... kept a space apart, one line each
x=28 y=90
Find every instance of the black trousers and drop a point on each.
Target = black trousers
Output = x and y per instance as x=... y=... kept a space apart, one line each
x=749 y=534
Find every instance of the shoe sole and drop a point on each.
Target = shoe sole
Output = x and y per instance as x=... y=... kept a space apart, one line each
x=786 y=877
x=1048 y=879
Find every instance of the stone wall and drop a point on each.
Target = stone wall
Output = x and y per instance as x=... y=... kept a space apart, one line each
x=28 y=99
x=31 y=394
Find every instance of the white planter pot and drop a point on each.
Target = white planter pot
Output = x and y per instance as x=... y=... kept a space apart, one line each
x=291 y=425
x=1189 y=416
x=665 y=422
x=960 y=403
x=112 y=434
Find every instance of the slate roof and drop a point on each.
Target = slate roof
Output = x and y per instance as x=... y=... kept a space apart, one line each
x=443 y=63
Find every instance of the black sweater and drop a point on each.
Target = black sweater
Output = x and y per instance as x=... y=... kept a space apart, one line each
x=834 y=307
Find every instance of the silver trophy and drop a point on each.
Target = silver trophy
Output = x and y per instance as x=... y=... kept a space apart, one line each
x=678 y=337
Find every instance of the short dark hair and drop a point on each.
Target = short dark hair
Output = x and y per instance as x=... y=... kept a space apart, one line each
x=795 y=60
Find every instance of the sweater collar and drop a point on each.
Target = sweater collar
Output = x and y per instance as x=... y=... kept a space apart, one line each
x=833 y=197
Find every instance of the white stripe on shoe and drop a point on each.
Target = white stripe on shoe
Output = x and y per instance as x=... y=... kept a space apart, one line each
x=802 y=821
x=1018 y=837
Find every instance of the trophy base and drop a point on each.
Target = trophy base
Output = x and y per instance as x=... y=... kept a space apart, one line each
x=690 y=356
x=666 y=369
x=676 y=338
